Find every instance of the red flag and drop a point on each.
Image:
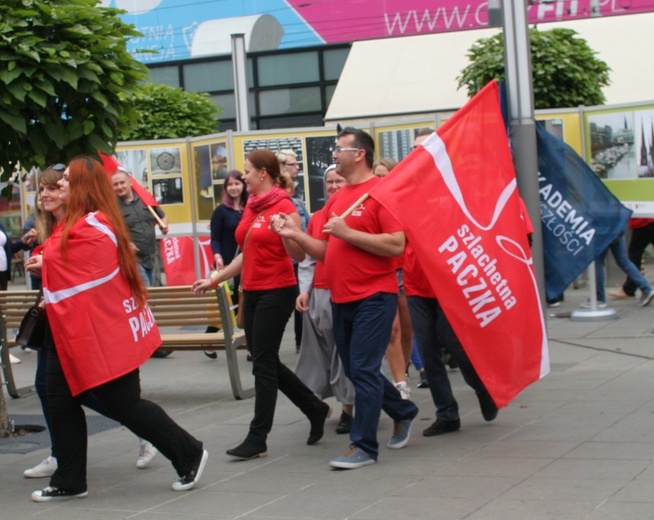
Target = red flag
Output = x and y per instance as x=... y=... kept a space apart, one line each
x=111 y=164
x=457 y=199
x=177 y=255
x=100 y=332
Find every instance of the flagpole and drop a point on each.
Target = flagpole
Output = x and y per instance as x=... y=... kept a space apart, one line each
x=522 y=124
x=354 y=206
x=156 y=217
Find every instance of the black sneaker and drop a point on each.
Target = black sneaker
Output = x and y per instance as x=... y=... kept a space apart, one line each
x=52 y=493
x=344 y=423
x=442 y=426
x=189 y=480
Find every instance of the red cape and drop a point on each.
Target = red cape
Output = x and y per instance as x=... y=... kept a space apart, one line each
x=99 y=332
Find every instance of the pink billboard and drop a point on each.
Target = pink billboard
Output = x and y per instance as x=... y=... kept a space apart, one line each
x=177 y=29
x=342 y=21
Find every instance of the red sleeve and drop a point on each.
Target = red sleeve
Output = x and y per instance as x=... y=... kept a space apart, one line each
x=387 y=221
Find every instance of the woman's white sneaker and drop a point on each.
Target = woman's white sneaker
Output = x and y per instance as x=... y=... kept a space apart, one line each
x=147 y=452
x=45 y=468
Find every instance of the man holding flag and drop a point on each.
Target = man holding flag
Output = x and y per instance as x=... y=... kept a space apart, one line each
x=141 y=222
x=141 y=212
x=434 y=336
x=464 y=223
x=360 y=273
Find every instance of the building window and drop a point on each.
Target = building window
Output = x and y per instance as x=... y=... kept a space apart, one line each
x=208 y=77
x=334 y=61
x=287 y=88
x=329 y=93
x=165 y=75
x=288 y=69
x=289 y=101
x=228 y=103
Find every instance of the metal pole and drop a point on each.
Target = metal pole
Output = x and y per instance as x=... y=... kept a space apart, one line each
x=239 y=64
x=194 y=190
x=517 y=59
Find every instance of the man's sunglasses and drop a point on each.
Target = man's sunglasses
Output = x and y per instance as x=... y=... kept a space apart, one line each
x=57 y=167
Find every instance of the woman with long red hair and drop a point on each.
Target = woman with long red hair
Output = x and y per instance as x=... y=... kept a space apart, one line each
x=103 y=331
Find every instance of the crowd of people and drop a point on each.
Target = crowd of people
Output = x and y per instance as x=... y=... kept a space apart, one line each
x=348 y=273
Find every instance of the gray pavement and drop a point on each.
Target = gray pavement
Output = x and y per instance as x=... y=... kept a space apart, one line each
x=577 y=445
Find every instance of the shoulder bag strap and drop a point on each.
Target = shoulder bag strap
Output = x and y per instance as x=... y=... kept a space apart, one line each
x=248 y=233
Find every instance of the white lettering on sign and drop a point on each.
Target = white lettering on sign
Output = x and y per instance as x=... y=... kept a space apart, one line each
x=483 y=286
x=141 y=324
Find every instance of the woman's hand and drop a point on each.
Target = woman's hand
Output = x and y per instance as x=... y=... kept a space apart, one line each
x=201 y=286
x=34 y=265
x=30 y=237
x=301 y=302
x=283 y=225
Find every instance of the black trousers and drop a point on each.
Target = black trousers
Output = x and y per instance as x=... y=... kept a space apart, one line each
x=4 y=279
x=266 y=315
x=122 y=399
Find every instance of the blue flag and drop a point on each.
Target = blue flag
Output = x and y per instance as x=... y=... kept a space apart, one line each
x=580 y=216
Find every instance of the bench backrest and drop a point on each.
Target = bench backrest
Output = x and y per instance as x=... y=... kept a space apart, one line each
x=178 y=306
x=174 y=306
x=14 y=305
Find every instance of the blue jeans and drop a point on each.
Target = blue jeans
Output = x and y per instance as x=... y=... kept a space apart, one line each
x=147 y=275
x=362 y=330
x=434 y=333
x=619 y=252
x=415 y=356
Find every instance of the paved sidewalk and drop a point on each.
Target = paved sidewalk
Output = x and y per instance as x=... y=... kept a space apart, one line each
x=577 y=445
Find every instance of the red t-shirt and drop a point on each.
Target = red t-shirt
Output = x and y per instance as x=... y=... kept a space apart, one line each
x=314 y=229
x=266 y=264
x=415 y=282
x=399 y=262
x=352 y=273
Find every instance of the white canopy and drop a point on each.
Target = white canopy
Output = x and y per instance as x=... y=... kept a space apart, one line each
x=400 y=78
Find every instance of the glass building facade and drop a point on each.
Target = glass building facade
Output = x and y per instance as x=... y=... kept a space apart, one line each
x=287 y=88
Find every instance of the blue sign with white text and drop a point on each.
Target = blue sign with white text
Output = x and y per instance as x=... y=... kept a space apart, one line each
x=579 y=215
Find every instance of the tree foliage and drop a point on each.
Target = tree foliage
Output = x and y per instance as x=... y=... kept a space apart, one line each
x=565 y=70
x=166 y=112
x=66 y=80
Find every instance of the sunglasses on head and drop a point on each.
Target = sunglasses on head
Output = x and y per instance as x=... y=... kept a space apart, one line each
x=58 y=167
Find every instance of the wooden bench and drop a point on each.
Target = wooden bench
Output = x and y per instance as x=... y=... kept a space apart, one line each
x=175 y=309
x=13 y=307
